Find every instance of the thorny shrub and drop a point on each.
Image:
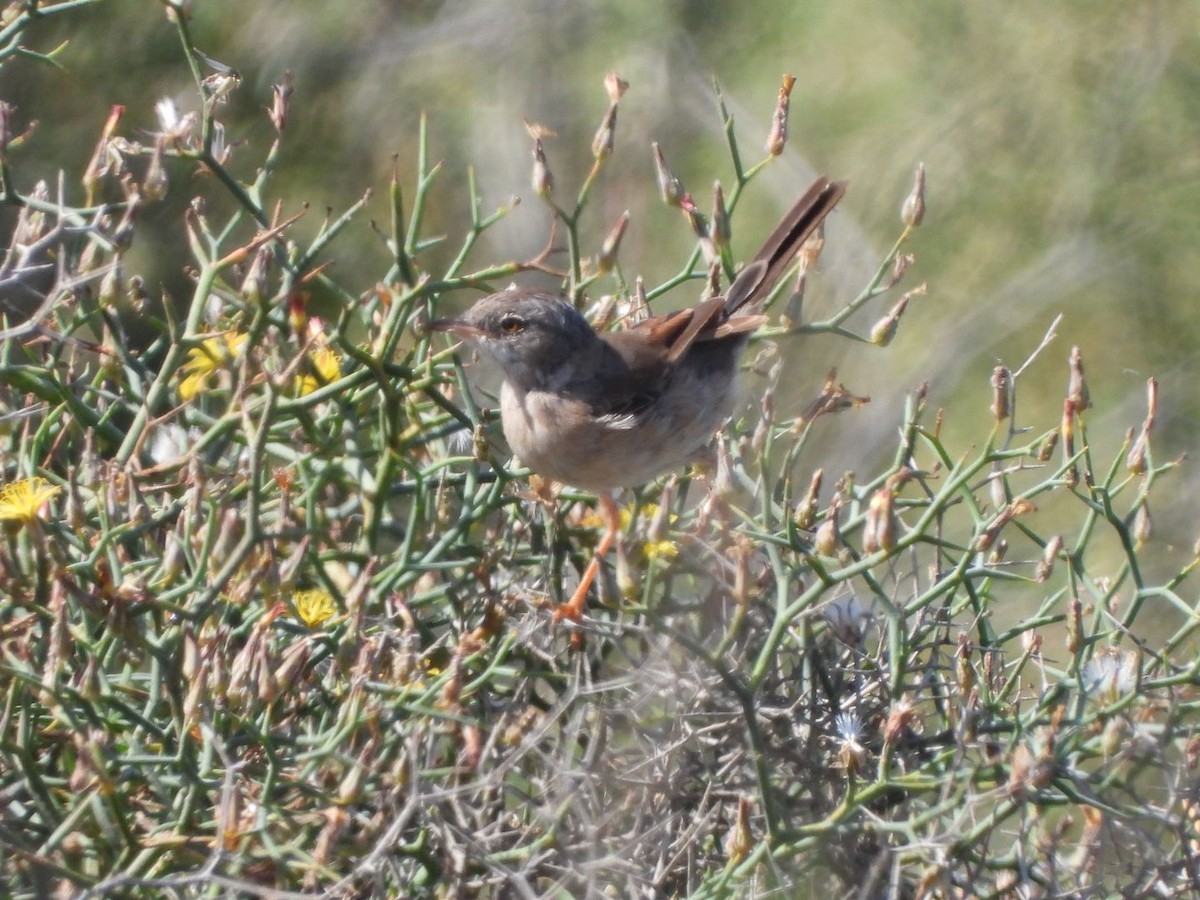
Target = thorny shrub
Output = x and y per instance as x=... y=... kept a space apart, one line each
x=273 y=601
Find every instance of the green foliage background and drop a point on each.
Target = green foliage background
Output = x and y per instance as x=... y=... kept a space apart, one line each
x=1062 y=141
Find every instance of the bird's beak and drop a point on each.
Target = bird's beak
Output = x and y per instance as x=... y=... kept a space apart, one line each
x=457 y=327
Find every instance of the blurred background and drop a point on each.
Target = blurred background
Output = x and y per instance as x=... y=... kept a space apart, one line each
x=1062 y=143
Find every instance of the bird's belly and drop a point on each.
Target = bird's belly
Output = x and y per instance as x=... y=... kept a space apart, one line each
x=559 y=438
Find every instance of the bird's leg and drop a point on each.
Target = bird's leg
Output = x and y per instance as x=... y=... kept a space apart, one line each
x=573 y=608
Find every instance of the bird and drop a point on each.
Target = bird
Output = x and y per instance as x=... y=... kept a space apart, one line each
x=604 y=410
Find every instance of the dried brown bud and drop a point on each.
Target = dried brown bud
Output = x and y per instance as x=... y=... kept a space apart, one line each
x=740 y=840
x=829 y=535
x=964 y=672
x=1001 y=392
x=98 y=163
x=810 y=251
x=1045 y=449
x=543 y=179
x=898 y=722
x=881 y=526
x=1077 y=390
x=806 y=509
x=615 y=87
x=1074 y=625
x=110 y=285
x=1143 y=526
x=281 y=101
x=719 y=230
x=602 y=143
x=1068 y=441
x=1049 y=555
x=607 y=258
x=695 y=219
x=6 y=111
x=712 y=284
x=670 y=188
x=912 y=212
x=777 y=139
x=298 y=312
x=1137 y=460
x=997 y=487
x=254 y=285
x=155 y=184
x=885 y=329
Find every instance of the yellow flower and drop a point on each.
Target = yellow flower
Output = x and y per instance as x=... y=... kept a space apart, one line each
x=206 y=360
x=314 y=607
x=325 y=366
x=21 y=500
x=664 y=550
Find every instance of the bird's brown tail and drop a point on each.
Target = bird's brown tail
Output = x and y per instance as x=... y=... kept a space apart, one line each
x=759 y=276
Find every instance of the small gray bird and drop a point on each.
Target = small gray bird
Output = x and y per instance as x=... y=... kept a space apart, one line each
x=604 y=410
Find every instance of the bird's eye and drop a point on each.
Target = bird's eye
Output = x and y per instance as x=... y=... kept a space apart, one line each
x=511 y=324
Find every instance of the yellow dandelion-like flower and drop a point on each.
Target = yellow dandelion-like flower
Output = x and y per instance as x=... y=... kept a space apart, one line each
x=210 y=357
x=326 y=367
x=21 y=500
x=314 y=607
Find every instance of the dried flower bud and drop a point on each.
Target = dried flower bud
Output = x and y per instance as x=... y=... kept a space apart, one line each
x=281 y=101
x=602 y=143
x=829 y=535
x=1071 y=476
x=607 y=258
x=1046 y=567
x=712 y=284
x=740 y=840
x=1077 y=390
x=154 y=185
x=964 y=672
x=670 y=188
x=110 y=285
x=1045 y=449
x=298 y=312
x=1031 y=642
x=806 y=509
x=1143 y=526
x=997 y=487
x=254 y=285
x=6 y=111
x=879 y=530
x=1001 y=392
x=1074 y=625
x=696 y=220
x=1137 y=460
x=1114 y=734
x=898 y=722
x=543 y=180
x=885 y=329
x=615 y=86
x=97 y=164
x=912 y=212
x=999 y=551
x=810 y=251
x=627 y=581
x=719 y=230
x=777 y=139
x=900 y=265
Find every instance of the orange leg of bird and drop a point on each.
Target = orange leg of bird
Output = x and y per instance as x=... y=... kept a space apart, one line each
x=573 y=608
